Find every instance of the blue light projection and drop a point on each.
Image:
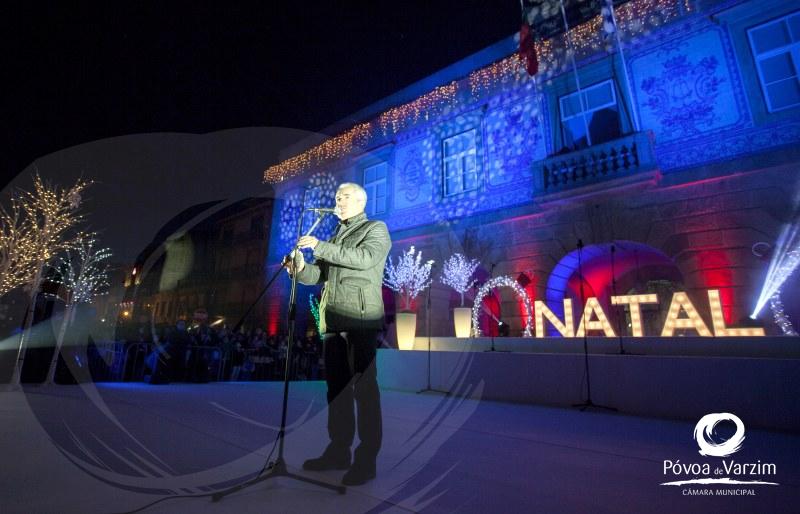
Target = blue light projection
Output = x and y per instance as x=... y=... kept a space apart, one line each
x=685 y=87
x=290 y=213
x=514 y=140
x=413 y=164
x=469 y=165
x=682 y=96
x=699 y=110
x=321 y=187
x=509 y=135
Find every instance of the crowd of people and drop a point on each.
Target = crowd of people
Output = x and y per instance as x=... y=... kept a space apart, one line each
x=203 y=354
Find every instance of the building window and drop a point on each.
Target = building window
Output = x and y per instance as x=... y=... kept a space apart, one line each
x=776 y=47
x=460 y=164
x=375 y=186
x=599 y=108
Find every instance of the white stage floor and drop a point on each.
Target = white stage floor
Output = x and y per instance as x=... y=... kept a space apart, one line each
x=116 y=447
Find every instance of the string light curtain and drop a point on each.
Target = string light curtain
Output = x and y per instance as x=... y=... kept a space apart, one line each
x=634 y=19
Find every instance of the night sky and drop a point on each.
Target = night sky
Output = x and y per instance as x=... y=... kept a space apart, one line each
x=75 y=73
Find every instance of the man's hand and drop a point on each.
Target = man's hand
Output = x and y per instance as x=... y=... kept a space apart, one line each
x=294 y=260
x=308 y=242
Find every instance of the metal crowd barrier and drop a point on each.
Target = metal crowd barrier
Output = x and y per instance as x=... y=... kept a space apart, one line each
x=128 y=362
x=104 y=360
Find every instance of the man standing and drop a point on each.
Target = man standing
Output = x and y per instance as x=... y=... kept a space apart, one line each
x=350 y=266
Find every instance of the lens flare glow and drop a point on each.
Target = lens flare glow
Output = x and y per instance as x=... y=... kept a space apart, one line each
x=785 y=259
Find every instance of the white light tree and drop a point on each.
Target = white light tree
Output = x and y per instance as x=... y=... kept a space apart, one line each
x=83 y=275
x=457 y=272
x=45 y=219
x=409 y=277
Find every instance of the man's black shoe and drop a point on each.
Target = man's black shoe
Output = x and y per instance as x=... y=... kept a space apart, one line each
x=358 y=475
x=327 y=462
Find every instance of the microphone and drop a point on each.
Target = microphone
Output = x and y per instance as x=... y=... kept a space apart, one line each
x=323 y=210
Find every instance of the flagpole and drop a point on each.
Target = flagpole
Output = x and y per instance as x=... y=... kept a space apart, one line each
x=575 y=70
x=634 y=109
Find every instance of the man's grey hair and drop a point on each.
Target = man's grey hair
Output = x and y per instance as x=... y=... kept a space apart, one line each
x=360 y=192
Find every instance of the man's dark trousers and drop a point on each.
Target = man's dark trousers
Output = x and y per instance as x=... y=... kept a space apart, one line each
x=351 y=374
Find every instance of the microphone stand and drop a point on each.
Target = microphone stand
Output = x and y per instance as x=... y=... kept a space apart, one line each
x=274 y=276
x=278 y=468
x=588 y=403
x=429 y=389
x=492 y=348
x=614 y=292
x=622 y=350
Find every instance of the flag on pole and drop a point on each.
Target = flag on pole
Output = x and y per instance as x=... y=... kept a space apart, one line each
x=609 y=28
x=527 y=43
x=546 y=19
x=527 y=49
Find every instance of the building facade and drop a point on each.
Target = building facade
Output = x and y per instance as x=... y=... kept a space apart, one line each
x=205 y=265
x=666 y=167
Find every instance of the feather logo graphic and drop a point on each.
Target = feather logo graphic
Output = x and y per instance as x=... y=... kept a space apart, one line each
x=704 y=435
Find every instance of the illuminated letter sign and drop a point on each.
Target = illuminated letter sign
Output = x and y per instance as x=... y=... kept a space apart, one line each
x=719 y=322
x=593 y=307
x=681 y=302
x=633 y=301
x=566 y=329
x=681 y=315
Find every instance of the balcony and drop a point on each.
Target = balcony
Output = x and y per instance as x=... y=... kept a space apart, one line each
x=629 y=156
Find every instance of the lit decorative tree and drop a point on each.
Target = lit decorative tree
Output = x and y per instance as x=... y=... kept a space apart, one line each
x=83 y=274
x=409 y=277
x=457 y=272
x=17 y=258
x=47 y=216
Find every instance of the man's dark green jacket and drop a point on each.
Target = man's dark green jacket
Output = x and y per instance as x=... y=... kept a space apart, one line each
x=350 y=266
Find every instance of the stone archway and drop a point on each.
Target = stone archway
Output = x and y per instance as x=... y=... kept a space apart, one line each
x=636 y=266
